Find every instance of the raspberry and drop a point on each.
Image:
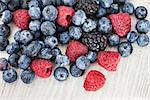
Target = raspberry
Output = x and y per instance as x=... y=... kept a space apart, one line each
x=121 y=23
x=75 y=49
x=65 y=15
x=94 y=81
x=42 y=67
x=108 y=60
x=21 y=18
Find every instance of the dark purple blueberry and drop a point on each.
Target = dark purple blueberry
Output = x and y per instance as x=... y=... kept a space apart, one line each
x=91 y=56
x=24 y=62
x=9 y=75
x=4 y=30
x=13 y=48
x=143 y=40
x=62 y=61
x=101 y=12
x=113 y=40
x=24 y=3
x=45 y=53
x=132 y=36
x=128 y=8
x=120 y=2
x=7 y=16
x=51 y=41
x=141 y=12
x=13 y=5
x=36 y=34
x=3 y=43
x=27 y=76
x=76 y=72
x=13 y=60
x=83 y=62
x=3 y=64
x=64 y=37
x=61 y=73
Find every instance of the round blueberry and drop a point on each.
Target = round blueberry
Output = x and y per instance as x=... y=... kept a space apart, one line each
x=101 y=12
x=128 y=8
x=79 y=17
x=106 y=3
x=48 y=28
x=27 y=76
x=13 y=4
x=64 y=37
x=36 y=34
x=55 y=52
x=13 y=48
x=24 y=62
x=113 y=40
x=35 y=13
x=33 y=3
x=91 y=56
x=9 y=75
x=7 y=16
x=143 y=26
x=125 y=49
x=75 y=32
x=45 y=53
x=143 y=40
x=132 y=36
x=34 y=25
x=13 y=60
x=82 y=63
x=24 y=3
x=46 y=2
x=51 y=41
x=141 y=12
x=62 y=60
x=50 y=13
x=3 y=64
x=61 y=73
x=89 y=25
x=76 y=72
x=114 y=9
x=3 y=43
x=104 y=25
x=4 y=30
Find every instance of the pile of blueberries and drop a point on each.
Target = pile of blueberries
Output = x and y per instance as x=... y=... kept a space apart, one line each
x=41 y=40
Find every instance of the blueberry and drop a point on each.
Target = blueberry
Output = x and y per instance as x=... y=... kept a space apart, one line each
x=24 y=62
x=91 y=56
x=33 y=3
x=32 y=49
x=24 y=3
x=106 y=3
x=45 y=53
x=46 y=2
x=13 y=48
x=69 y=2
x=62 y=60
x=89 y=25
x=64 y=37
x=143 y=40
x=3 y=43
x=13 y=5
x=36 y=34
x=128 y=8
x=41 y=43
x=2 y=7
x=55 y=52
x=82 y=62
x=143 y=26
x=101 y=12
x=13 y=60
x=50 y=13
x=79 y=17
x=104 y=25
x=75 y=32
x=125 y=49
x=51 y=41
x=3 y=64
x=4 y=30
x=35 y=13
x=9 y=75
x=23 y=37
x=113 y=40
x=61 y=73
x=27 y=76
x=35 y=25
x=48 y=28
x=7 y=16
x=76 y=72
x=141 y=12
x=132 y=36
x=114 y=9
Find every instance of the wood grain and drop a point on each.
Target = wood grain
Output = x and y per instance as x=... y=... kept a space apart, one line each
x=130 y=82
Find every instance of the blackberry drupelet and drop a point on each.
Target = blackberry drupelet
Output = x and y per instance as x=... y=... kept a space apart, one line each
x=95 y=41
x=89 y=6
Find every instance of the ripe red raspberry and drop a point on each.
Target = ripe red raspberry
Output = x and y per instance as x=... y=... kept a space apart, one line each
x=42 y=67
x=108 y=60
x=21 y=18
x=94 y=81
x=75 y=49
x=121 y=23
x=65 y=15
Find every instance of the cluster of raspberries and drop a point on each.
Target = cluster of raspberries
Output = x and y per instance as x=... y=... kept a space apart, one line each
x=87 y=27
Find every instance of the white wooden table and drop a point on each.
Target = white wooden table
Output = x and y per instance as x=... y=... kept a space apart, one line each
x=130 y=82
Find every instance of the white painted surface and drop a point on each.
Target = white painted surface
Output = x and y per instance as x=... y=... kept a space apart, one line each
x=130 y=82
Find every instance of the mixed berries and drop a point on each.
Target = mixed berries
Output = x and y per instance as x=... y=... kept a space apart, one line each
x=87 y=27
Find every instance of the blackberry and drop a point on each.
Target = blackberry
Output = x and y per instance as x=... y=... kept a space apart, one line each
x=95 y=41
x=89 y=6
